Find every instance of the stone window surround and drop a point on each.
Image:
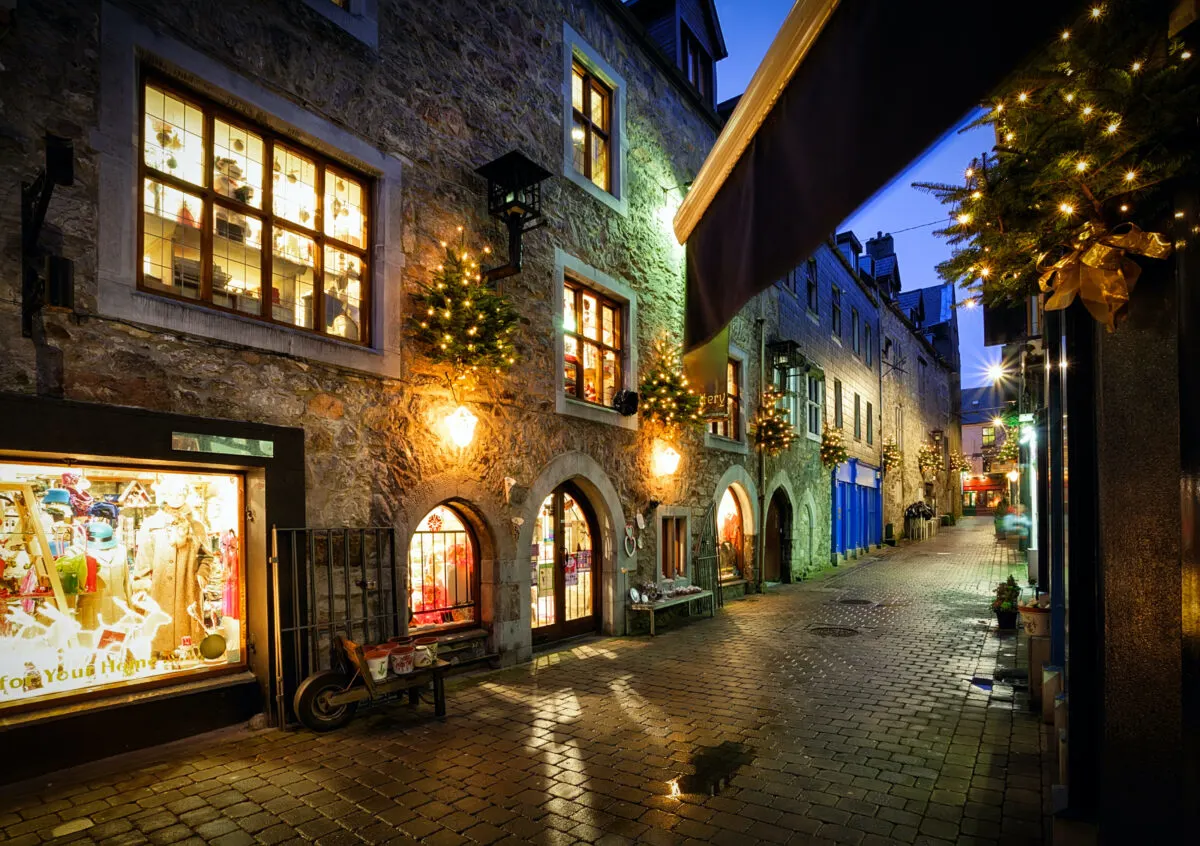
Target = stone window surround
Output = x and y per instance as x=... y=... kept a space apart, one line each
x=575 y=49
x=127 y=44
x=664 y=512
x=728 y=444
x=360 y=19
x=624 y=294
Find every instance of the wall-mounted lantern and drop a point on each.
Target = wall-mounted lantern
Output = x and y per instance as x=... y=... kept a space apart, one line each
x=515 y=197
x=665 y=459
x=460 y=426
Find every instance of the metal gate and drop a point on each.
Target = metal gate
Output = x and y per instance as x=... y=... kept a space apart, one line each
x=329 y=582
x=706 y=569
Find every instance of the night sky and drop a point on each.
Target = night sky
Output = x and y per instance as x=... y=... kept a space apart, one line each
x=749 y=27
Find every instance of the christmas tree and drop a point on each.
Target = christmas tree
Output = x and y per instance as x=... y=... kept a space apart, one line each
x=1093 y=135
x=833 y=448
x=666 y=396
x=929 y=459
x=770 y=427
x=1010 y=450
x=959 y=463
x=460 y=320
x=891 y=456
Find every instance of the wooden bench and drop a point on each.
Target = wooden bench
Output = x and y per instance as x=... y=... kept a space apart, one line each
x=687 y=599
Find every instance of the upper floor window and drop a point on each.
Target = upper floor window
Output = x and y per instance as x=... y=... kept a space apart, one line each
x=789 y=281
x=810 y=283
x=242 y=220
x=989 y=436
x=837 y=403
x=855 y=340
x=857 y=417
x=591 y=105
x=867 y=350
x=730 y=426
x=922 y=376
x=837 y=312
x=592 y=344
x=870 y=424
x=697 y=64
x=814 y=407
x=787 y=383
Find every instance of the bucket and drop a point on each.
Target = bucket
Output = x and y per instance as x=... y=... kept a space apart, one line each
x=1036 y=620
x=402 y=658
x=403 y=640
x=426 y=650
x=377 y=664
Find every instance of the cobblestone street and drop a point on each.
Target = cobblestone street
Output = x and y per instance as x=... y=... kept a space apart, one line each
x=837 y=711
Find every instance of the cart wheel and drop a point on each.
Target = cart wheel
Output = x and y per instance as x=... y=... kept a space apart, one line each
x=311 y=703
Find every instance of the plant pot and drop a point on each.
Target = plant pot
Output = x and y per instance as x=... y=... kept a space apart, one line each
x=1036 y=620
x=1006 y=620
x=402 y=659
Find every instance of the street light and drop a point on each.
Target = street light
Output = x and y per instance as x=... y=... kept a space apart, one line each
x=995 y=372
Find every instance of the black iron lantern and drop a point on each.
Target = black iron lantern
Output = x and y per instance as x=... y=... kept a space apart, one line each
x=515 y=197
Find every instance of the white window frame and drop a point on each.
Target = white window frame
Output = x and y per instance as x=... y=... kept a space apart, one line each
x=360 y=19
x=126 y=45
x=811 y=405
x=786 y=381
x=729 y=444
x=622 y=293
x=575 y=49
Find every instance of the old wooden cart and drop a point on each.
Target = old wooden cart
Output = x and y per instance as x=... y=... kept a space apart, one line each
x=328 y=699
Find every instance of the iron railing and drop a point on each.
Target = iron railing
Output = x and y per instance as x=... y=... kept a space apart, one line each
x=705 y=565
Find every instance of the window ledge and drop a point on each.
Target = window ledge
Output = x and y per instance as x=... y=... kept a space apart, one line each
x=618 y=204
x=571 y=407
x=726 y=444
x=361 y=20
x=814 y=317
x=812 y=437
x=836 y=339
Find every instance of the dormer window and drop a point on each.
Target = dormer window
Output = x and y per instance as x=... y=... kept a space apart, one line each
x=697 y=63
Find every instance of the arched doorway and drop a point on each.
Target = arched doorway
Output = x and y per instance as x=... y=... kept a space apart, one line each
x=443 y=572
x=732 y=561
x=565 y=555
x=777 y=551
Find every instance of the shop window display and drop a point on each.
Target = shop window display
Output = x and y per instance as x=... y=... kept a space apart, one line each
x=442 y=572
x=730 y=538
x=111 y=576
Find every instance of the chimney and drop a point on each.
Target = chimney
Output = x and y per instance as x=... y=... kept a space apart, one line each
x=880 y=246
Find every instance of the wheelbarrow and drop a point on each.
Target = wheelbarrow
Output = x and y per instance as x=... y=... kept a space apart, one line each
x=328 y=699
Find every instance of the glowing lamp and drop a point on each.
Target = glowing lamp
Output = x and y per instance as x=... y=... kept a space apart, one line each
x=995 y=372
x=1012 y=475
x=997 y=422
x=460 y=424
x=665 y=459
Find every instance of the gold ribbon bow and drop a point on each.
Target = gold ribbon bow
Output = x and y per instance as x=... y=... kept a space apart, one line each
x=1100 y=271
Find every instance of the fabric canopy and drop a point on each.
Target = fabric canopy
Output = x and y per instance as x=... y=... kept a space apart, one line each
x=849 y=93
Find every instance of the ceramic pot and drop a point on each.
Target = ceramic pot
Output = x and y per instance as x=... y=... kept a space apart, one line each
x=377 y=664
x=402 y=658
x=426 y=650
x=1036 y=620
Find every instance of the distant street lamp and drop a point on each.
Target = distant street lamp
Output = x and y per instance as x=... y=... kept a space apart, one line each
x=995 y=372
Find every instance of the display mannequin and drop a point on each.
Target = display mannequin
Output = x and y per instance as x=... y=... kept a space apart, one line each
x=112 y=580
x=173 y=563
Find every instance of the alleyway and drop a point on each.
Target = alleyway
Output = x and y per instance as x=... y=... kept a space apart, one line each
x=838 y=711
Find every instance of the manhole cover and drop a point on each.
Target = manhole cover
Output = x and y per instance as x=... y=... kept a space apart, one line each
x=833 y=631
x=855 y=602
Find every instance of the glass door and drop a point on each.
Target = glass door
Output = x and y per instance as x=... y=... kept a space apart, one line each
x=564 y=562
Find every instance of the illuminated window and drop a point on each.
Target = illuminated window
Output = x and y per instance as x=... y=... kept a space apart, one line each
x=673 y=538
x=443 y=574
x=730 y=426
x=563 y=566
x=989 y=436
x=244 y=221
x=731 y=552
x=592 y=345
x=114 y=576
x=591 y=104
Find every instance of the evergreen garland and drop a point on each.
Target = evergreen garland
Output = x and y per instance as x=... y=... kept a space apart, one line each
x=929 y=459
x=891 y=456
x=833 y=448
x=1094 y=134
x=959 y=463
x=770 y=427
x=666 y=396
x=460 y=320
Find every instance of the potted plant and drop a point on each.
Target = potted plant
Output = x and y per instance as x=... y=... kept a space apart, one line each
x=1008 y=593
x=998 y=519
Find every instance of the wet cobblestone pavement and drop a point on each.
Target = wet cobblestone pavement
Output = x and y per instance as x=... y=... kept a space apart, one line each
x=793 y=717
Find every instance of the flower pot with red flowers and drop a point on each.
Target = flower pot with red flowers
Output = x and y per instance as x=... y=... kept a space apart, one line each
x=1008 y=594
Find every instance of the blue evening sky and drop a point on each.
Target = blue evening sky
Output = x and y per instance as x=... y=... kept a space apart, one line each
x=749 y=27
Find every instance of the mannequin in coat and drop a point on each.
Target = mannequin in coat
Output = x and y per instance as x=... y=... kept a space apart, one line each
x=173 y=562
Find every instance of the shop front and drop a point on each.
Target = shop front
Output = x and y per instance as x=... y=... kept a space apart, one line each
x=133 y=579
x=857 y=508
x=983 y=494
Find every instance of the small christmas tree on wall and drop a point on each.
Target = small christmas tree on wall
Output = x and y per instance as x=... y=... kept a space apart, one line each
x=666 y=396
x=770 y=427
x=833 y=448
x=959 y=463
x=929 y=459
x=891 y=456
x=460 y=320
x=1010 y=450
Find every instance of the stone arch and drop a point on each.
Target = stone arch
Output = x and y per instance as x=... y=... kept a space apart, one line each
x=782 y=483
x=585 y=472
x=805 y=547
x=739 y=482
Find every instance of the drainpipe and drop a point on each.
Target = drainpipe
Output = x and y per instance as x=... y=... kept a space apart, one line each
x=761 y=546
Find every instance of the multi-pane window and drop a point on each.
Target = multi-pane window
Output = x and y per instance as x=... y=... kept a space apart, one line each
x=837 y=312
x=591 y=102
x=870 y=355
x=789 y=281
x=810 y=282
x=697 y=64
x=870 y=424
x=900 y=427
x=854 y=337
x=673 y=535
x=814 y=406
x=242 y=220
x=786 y=383
x=442 y=572
x=857 y=417
x=989 y=436
x=730 y=426
x=592 y=344
x=837 y=403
